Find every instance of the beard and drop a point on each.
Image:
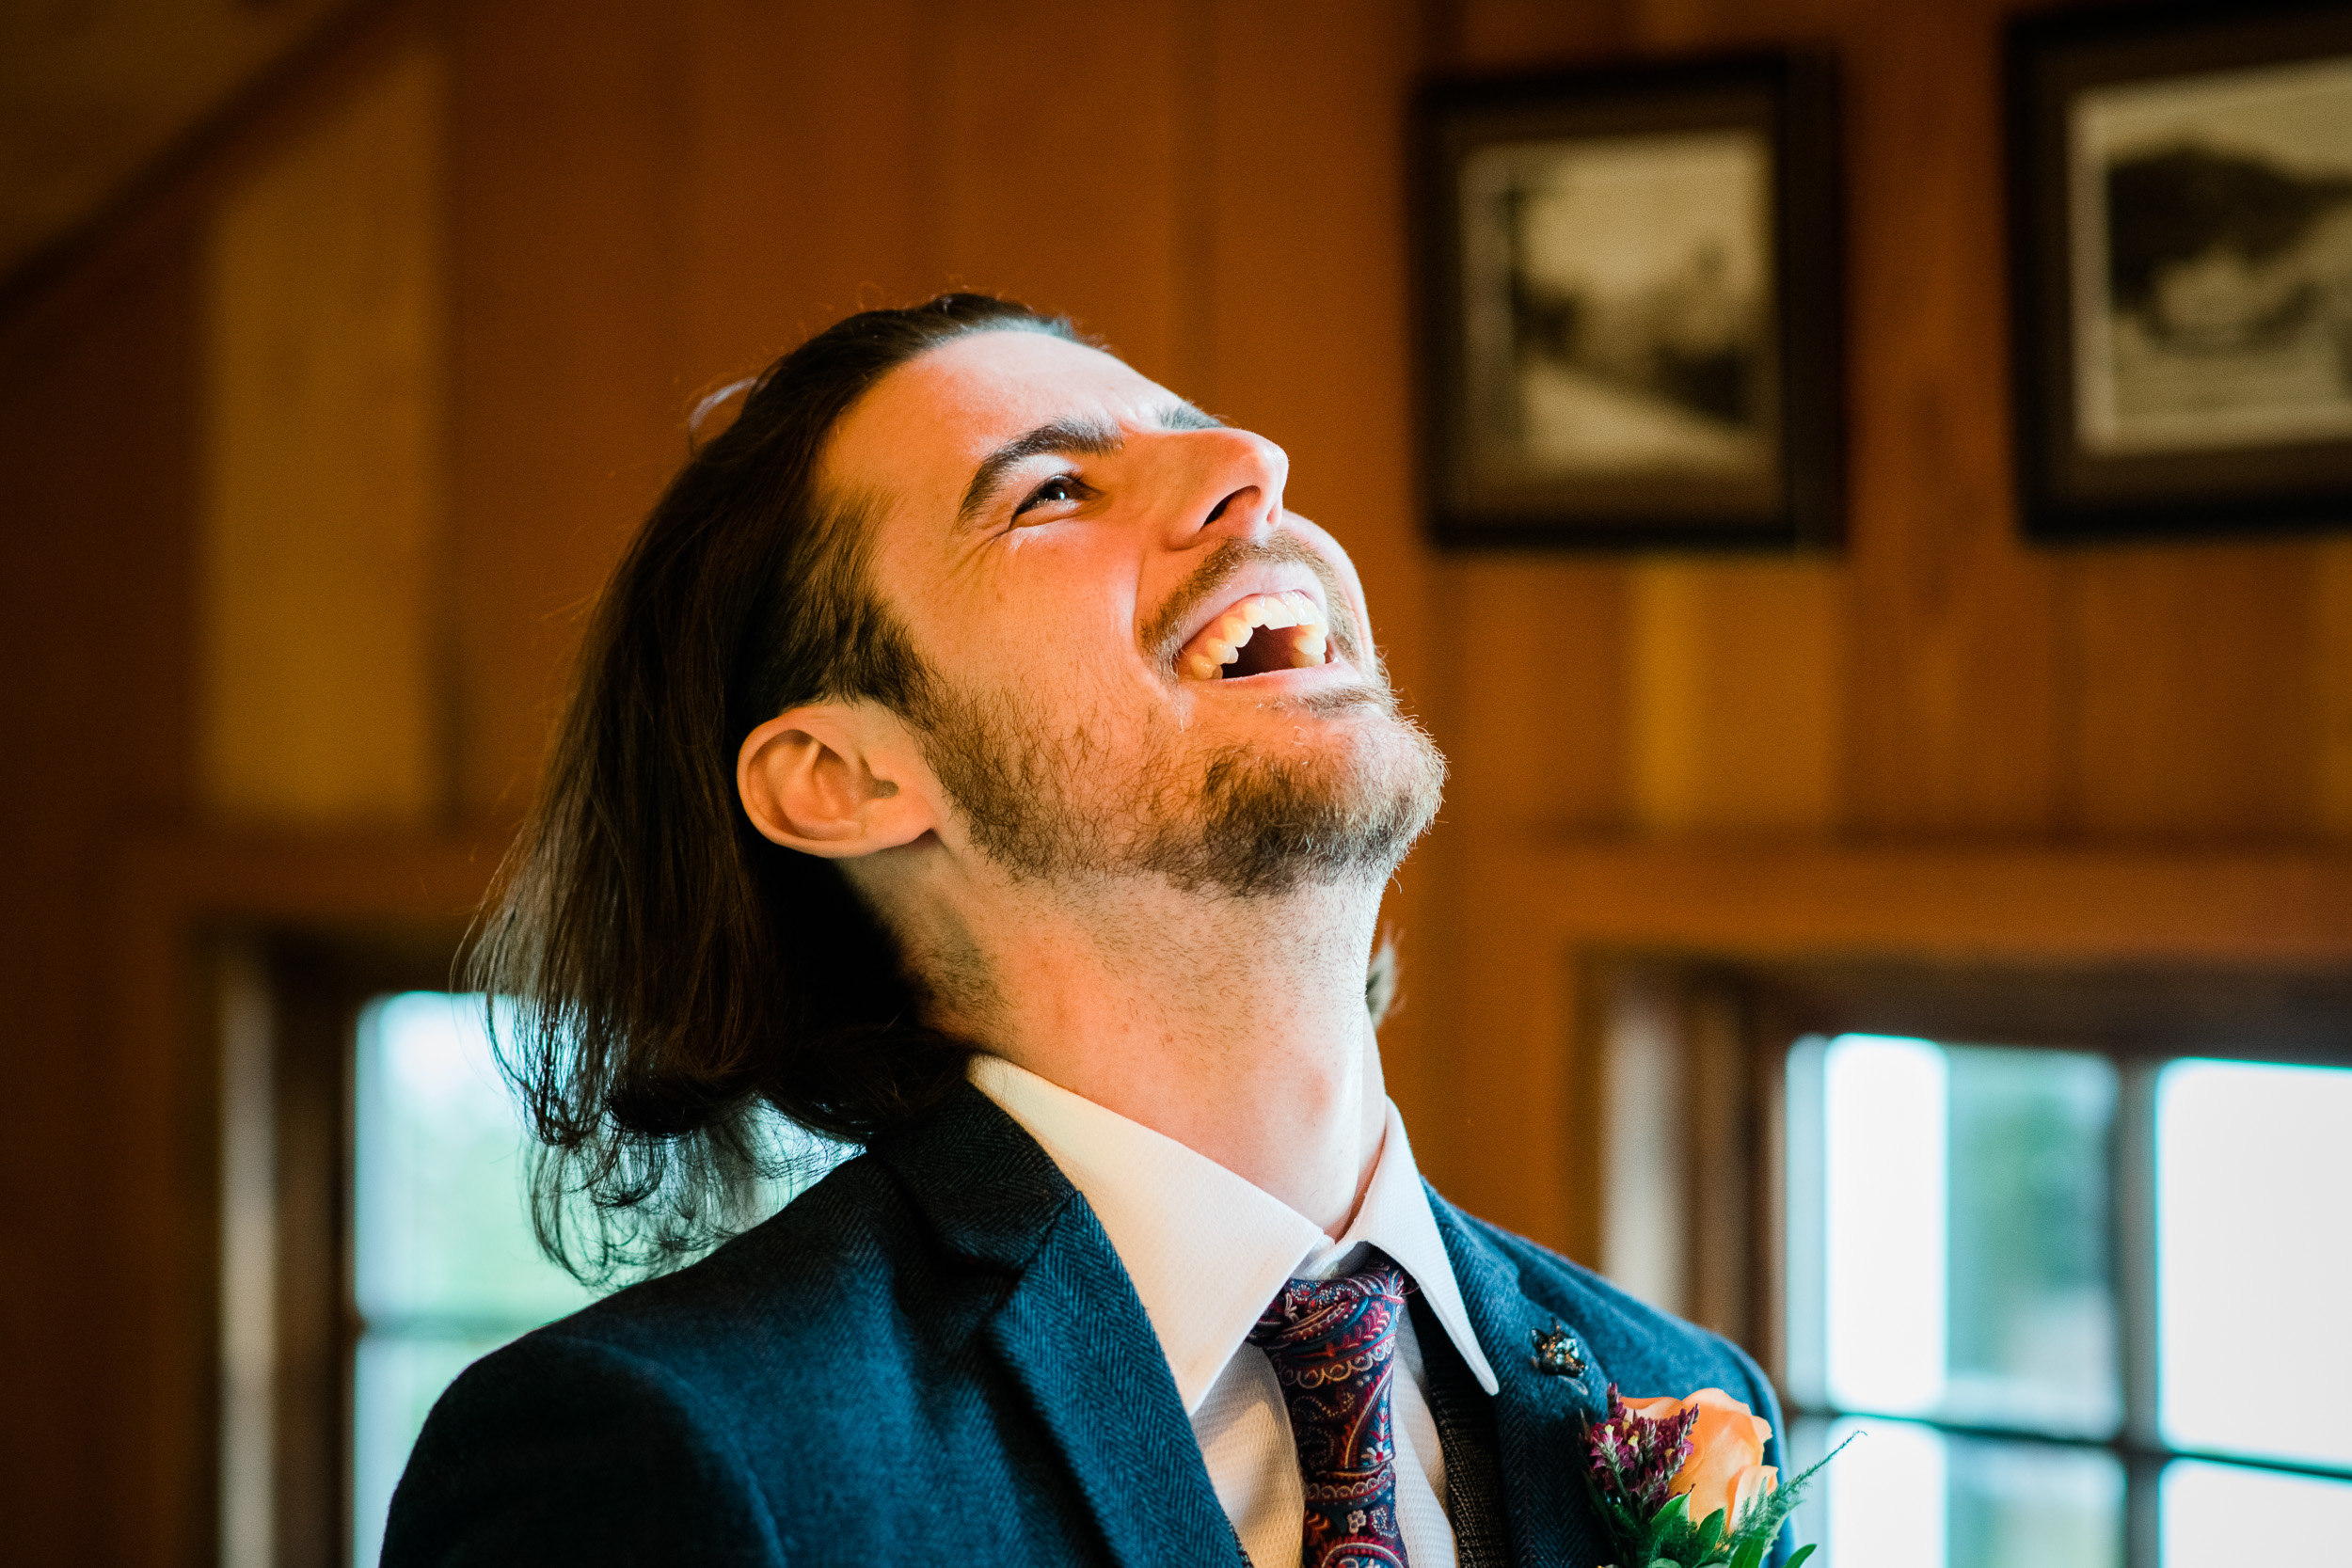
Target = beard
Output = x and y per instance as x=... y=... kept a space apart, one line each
x=1044 y=802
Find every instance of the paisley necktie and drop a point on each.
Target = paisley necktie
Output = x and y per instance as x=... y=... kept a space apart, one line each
x=1333 y=1345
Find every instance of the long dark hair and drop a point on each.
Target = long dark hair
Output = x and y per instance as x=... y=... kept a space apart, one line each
x=663 y=977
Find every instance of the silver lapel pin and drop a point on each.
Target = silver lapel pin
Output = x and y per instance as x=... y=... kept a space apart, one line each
x=1557 y=1353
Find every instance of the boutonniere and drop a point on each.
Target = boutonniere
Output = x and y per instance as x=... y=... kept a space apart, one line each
x=1683 y=1482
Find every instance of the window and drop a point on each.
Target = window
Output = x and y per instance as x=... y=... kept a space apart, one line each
x=2090 y=1311
x=444 y=1266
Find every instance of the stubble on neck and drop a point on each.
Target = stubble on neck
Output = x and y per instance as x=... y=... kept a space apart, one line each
x=1183 y=938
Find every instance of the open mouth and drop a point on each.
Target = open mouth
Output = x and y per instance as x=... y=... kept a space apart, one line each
x=1256 y=636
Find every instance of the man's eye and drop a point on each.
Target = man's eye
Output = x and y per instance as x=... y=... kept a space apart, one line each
x=1058 y=489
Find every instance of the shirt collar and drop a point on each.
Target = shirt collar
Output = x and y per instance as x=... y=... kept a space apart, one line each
x=1207 y=1249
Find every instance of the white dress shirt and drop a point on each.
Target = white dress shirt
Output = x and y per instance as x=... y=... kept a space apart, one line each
x=1208 y=1251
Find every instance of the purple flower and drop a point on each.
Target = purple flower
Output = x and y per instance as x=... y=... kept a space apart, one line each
x=1634 y=1459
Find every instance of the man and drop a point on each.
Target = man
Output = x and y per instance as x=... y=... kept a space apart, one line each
x=973 y=758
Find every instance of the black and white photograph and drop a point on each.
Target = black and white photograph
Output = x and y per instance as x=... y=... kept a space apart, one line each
x=1631 y=342
x=1618 y=306
x=2181 y=201
x=2213 y=242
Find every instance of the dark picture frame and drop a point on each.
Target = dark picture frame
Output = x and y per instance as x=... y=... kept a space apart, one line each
x=2181 y=258
x=1628 y=287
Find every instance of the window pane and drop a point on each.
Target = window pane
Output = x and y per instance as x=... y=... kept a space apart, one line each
x=2226 y=1514
x=396 y=1380
x=1884 y=1119
x=1966 y=1227
x=1911 y=1495
x=2032 y=1326
x=442 y=1230
x=2032 y=1505
x=1882 y=1500
x=445 y=1266
x=2254 y=1266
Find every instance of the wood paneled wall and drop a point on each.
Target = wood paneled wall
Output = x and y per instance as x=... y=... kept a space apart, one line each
x=97 y=626
x=609 y=206
x=322 y=565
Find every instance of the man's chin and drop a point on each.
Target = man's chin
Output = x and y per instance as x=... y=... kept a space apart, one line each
x=1268 y=823
x=1321 y=787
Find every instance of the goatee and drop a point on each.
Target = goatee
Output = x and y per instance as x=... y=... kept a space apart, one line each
x=1041 y=802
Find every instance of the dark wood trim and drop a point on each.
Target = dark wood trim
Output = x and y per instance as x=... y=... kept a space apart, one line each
x=174 y=898
x=1519 y=1006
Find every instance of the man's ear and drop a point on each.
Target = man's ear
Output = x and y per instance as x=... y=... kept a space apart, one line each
x=835 y=778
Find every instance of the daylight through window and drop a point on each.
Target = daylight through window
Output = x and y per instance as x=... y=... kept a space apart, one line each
x=2088 y=1312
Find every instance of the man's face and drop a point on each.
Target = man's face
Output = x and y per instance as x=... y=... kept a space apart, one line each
x=1143 y=664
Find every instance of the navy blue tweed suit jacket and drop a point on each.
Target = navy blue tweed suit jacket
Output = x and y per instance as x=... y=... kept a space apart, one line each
x=934 y=1355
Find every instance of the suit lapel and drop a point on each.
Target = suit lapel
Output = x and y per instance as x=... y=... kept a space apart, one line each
x=1071 y=1332
x=1539 y=1415
x=1074 y=1334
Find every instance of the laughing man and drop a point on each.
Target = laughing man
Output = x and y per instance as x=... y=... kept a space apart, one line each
x=973 y=760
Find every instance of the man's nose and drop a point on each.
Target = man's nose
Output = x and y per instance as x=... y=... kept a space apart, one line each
x=1233 y=484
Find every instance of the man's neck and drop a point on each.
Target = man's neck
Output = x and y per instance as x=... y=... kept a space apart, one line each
x=1237 y=1026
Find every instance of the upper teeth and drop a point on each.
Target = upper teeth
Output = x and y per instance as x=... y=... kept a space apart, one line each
x=1220 y=641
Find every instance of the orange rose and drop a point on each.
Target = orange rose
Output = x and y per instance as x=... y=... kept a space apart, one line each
x=1725 y=1469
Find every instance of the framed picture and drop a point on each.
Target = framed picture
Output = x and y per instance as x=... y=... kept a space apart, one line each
x=2181 y=185
x=1629 y=298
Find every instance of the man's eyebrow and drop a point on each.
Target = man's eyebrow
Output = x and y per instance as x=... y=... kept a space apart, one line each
x=1091 y=437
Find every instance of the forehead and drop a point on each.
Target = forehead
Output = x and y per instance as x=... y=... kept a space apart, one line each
x=917 y=432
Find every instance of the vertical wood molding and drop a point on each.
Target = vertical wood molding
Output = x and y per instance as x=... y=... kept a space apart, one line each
x=324 y=314
x=1645 y=1125
x=1721 y=1160
x=248 y=1257
x=1684 y=1226
x=1192 y=360
x=2333 y=659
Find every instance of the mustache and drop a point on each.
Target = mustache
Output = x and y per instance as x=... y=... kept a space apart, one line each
x=1164 y=634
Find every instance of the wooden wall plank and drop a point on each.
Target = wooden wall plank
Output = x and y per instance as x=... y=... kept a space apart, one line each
x=2333 y=683
x=91 y=98
x=1057 y=143
x=1478 y=35
x=1527 y=663
x=807 y=193
x=1955 y=708
x=323 y=493
x=1736 y=674
x=566 y=144
x=2197 y=690
x=98 y=437
x=1307 y=336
